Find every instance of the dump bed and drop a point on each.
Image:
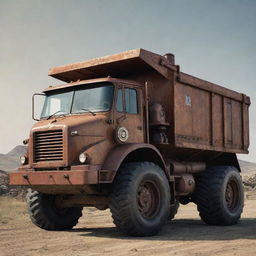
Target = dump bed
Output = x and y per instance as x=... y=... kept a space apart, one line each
x=209 y=117
x=201 y=115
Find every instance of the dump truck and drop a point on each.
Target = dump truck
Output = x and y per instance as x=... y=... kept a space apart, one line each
x=132 y=133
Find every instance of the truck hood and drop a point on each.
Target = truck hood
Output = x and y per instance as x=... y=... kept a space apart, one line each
x=68 y=122
x=80 y=133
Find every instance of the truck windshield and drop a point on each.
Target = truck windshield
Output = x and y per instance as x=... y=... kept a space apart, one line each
x=81 y=99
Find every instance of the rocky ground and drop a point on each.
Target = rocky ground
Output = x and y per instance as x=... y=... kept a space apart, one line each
x=250 y=186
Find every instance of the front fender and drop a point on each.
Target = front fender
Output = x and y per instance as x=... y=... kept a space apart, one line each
x=133 y=152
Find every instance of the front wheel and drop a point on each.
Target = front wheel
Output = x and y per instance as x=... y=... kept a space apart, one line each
x=219 y=195
x=45 y=214
x=140 y=199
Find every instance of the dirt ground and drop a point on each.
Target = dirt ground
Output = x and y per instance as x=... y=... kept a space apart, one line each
x=95 y=235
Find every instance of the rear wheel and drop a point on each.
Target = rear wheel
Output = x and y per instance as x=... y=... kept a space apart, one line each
x=45 y=213
x=219 y=195
x=140 y=199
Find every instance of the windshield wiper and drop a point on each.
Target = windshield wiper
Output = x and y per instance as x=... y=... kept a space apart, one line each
x=50 y=116
x=88 y=110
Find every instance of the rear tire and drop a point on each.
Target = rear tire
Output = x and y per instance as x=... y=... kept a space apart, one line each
x=45 y=214
x=219 y=195
x=140 y=199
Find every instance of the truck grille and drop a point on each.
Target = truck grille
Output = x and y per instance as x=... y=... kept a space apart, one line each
x=48 y=146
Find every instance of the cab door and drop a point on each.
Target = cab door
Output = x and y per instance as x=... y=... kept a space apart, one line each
x=129 y=114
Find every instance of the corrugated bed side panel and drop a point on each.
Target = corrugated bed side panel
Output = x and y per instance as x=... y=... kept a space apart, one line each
x=209 y=121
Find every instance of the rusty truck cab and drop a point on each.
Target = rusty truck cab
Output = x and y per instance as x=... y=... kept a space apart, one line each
x=76 y=139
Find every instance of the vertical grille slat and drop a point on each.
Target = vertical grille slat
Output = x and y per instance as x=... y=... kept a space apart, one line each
x=48 y=146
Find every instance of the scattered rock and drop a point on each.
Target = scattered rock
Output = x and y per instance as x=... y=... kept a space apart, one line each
x=250 y=182
x=7 y=190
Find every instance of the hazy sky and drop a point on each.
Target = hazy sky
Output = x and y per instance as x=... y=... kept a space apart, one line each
x=212 y=39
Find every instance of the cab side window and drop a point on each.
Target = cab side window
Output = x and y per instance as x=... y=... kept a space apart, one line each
x=131 y=101
x=119 y=101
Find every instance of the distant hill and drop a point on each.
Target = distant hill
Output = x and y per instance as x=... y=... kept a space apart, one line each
x=10 y=161
x=17 y=151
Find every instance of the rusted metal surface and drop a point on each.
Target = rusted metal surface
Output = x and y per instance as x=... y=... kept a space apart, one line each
x=106 y=176
x=157 y=115
x=186 y=167
x=146 y=100
x=210 y=87
x=89 y=82
x=148 y=199
x=117 y=65
x=119 y=153
x=87 y=136
x=54 y=178
x=209 y=117
x=185 y=184
x=201 y=121
x=158 y=124
x=82 y=200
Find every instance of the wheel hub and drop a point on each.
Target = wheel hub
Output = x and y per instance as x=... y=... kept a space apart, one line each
x=148 y=199
x=231 y=195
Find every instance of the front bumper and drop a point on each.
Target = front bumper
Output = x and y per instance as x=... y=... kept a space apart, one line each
x=77 y=175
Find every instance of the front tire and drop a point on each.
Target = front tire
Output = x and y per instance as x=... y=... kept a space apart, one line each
x=45 y=214
x=219 y=195
x=140 y=199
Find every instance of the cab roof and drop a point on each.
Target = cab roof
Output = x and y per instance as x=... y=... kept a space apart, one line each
x=93 y=81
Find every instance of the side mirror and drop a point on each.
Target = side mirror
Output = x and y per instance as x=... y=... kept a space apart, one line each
x=37 y=105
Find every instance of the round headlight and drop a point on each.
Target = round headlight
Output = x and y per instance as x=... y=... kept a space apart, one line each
x=82 y=158
x=23 y=159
